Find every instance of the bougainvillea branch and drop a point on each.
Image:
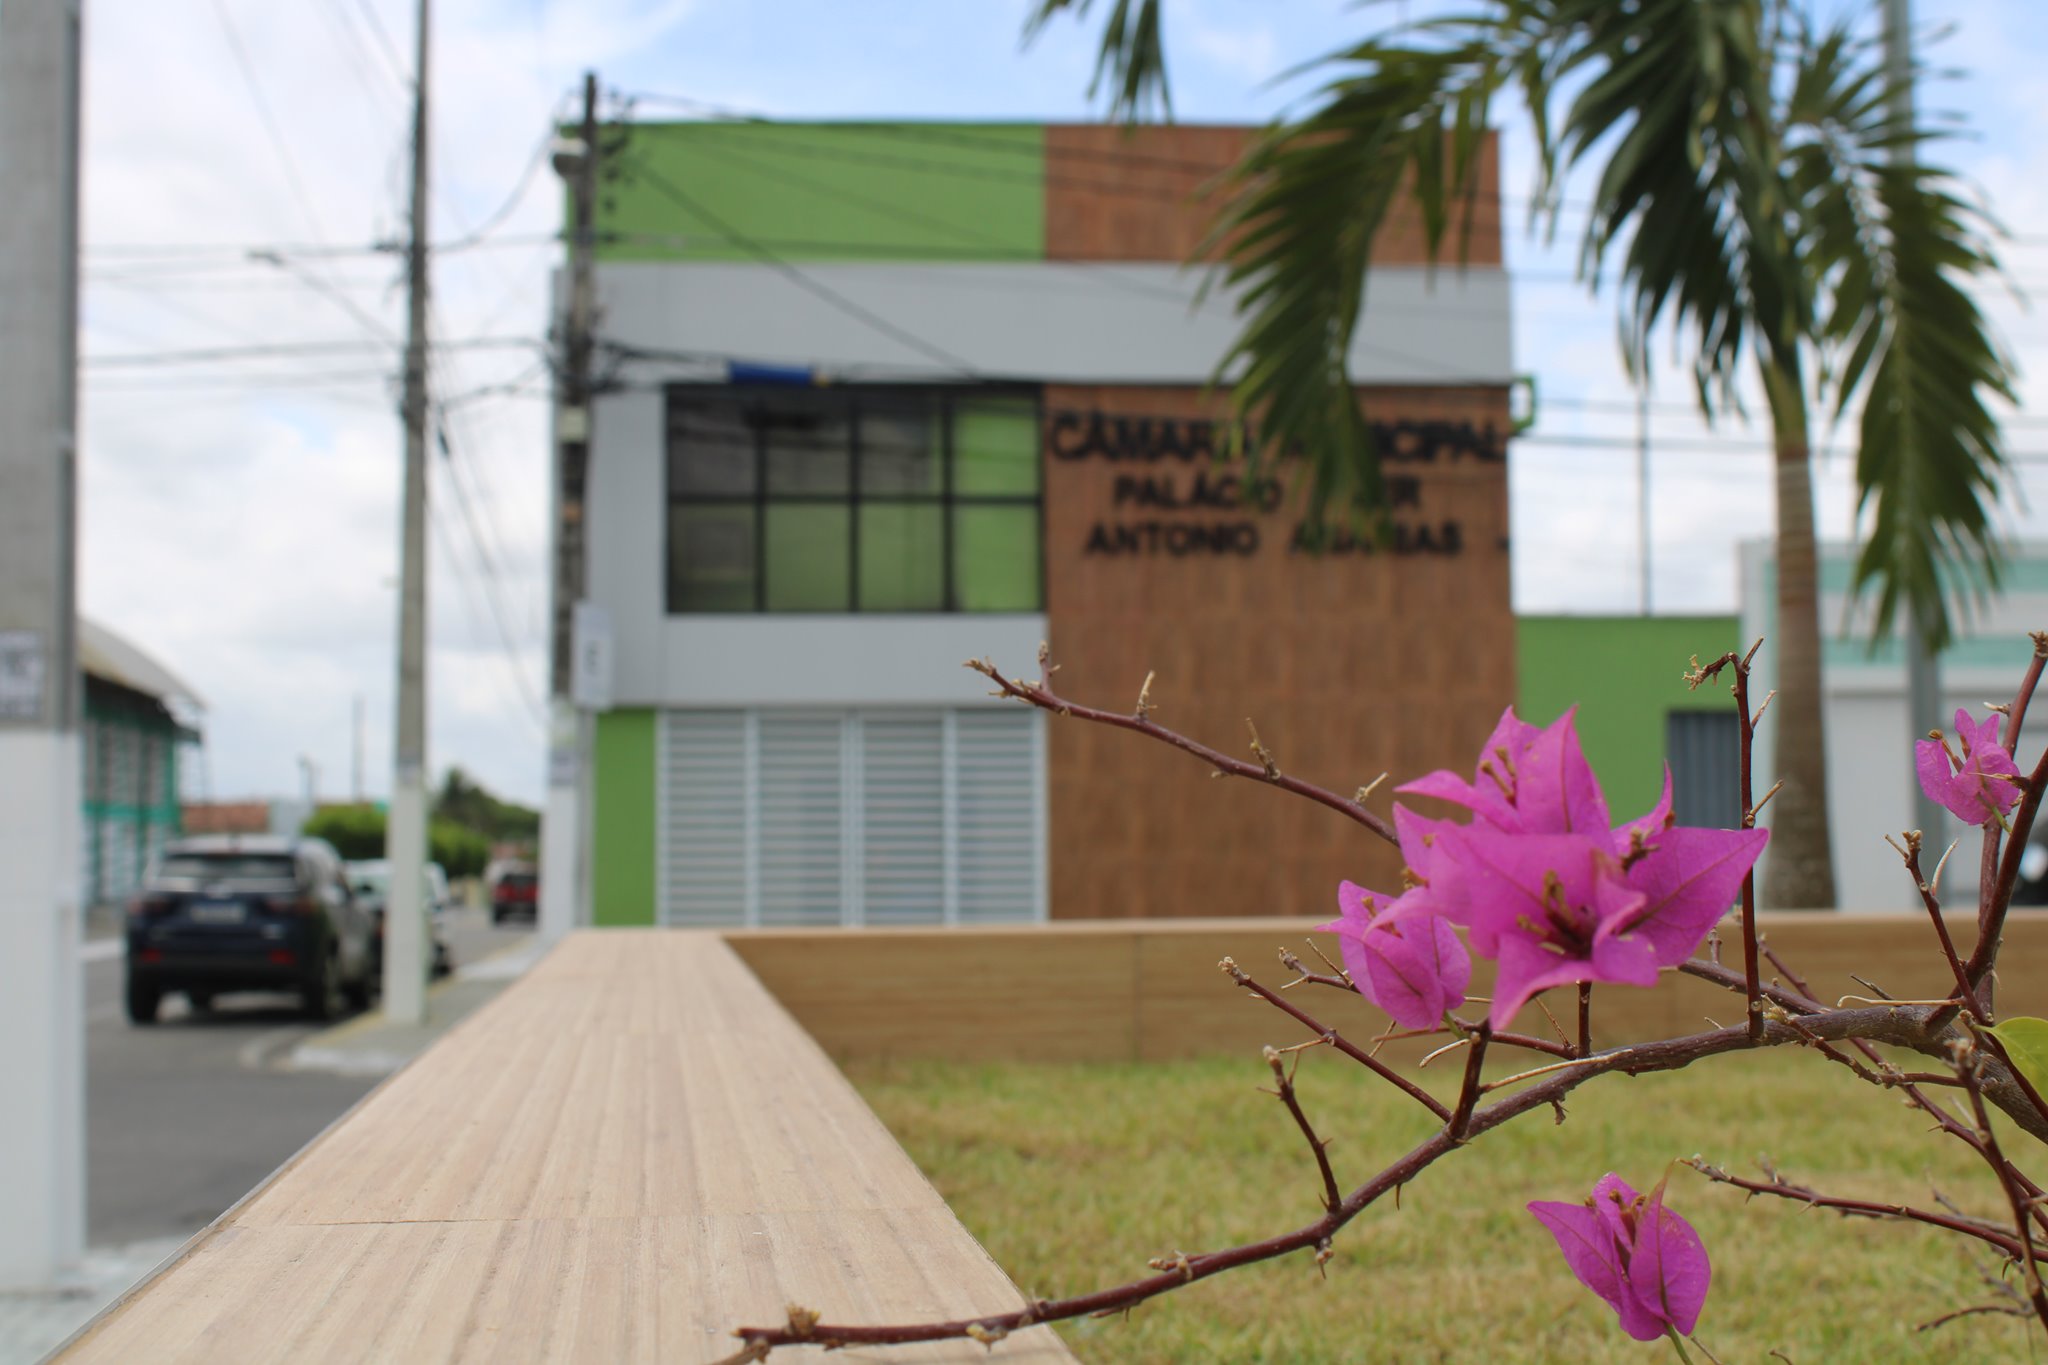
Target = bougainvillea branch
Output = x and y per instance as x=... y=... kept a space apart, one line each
x=1266 y=770
x=1283 y=1082
x=1540 y=883
x=1776 y=1185
x=1336 y=1040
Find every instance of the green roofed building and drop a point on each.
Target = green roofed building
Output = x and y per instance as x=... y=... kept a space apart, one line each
x=138 y=716
x=877 y=398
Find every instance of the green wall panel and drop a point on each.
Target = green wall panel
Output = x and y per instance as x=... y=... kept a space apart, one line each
x=1624 y=673
x=827 y=192
x=622 y=842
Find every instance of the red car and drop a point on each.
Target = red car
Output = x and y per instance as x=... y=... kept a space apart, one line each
x=516 y=892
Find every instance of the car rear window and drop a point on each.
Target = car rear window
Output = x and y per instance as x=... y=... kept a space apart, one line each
x=227 y=867
x=519 y=881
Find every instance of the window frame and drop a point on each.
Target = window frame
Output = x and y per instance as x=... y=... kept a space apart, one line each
x=853 y=402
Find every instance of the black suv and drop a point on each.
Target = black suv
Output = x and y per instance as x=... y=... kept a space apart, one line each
x=229 y=912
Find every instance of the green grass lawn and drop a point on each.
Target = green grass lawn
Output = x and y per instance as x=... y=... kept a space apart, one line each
x=1073 y=1176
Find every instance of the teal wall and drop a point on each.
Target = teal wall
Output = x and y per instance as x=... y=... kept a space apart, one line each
x=826 y=191
x=1625 y=673
x=129 y=781
x=622 y=843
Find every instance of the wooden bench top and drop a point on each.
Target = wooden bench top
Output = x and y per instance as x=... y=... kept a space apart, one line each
x=628 y=1153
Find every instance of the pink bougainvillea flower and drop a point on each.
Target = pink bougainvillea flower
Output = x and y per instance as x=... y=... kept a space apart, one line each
x=1643 y=1259
x=1546 y=886
x=1414 y=969
x=1973 y=787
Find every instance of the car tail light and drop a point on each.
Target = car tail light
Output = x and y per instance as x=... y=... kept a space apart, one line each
x=151 y=955
x=282 y=957
x=144 y=907
x=291 y=905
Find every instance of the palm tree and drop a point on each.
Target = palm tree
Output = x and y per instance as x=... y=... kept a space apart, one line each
x=1751 y=188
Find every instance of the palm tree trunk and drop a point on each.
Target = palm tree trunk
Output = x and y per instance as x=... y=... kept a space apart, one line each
x=1801 y=871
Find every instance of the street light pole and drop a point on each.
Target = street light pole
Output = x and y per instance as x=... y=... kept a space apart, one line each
x=42 y=1017
x=405 y=938
x=564 y=830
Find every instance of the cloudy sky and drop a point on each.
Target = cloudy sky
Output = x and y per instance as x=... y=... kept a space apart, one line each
x=241 y=451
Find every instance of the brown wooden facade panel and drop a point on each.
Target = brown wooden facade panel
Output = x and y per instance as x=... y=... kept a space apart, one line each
x=1148 y=194
x=1350 y=664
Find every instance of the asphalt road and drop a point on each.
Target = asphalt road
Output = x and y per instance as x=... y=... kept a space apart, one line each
x=182 y=1119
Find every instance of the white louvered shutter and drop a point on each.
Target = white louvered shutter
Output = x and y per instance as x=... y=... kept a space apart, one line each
x=705 y=799
x=802 y=818
x=998 y=845
x=903 y=818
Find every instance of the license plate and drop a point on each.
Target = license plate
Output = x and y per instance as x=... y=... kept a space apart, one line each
x=218 y=912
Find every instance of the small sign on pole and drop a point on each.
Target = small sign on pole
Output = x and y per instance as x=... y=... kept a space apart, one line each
x=590 y=672
x=23 y=669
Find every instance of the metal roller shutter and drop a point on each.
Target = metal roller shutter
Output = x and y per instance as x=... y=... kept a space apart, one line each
x=704 y=825
x=946 y=824
x=1001 y=857
x=802 y=818
x=902 y=818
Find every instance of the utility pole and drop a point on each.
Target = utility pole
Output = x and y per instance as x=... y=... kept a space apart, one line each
x=405 y=959
x=42 y=1017
x=1923 y=666
x=564 y=835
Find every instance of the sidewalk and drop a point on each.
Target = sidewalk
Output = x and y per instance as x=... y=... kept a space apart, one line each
x=371 y=1045
x=33 y=1323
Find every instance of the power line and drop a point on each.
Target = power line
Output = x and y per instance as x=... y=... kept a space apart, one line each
x=479 y=613
x=399 y=71
x=278 y=144
x=289 y=350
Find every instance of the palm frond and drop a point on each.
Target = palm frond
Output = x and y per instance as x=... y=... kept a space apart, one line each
x=1671 y=102
x=1892 y=245
x=1297 y=235
x=1132 y=58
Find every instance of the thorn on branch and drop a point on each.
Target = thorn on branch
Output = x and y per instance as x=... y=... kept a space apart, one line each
x=1762 y=707
x=1262 y=753
x=1145 y=696
x=1178 y=1261
x=1749 y=816
x=1368 y=789
x=1934 y=882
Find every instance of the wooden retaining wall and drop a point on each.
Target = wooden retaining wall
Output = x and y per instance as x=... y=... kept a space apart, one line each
x=1150 y=990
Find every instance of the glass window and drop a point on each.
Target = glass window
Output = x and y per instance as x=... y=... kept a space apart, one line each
x=710 y=450
x=995 y=558
x=902 y=556
x=809 y=446
x=864 y=498
x=995 y=447
x=805 y=561
x=711 y=557
x=900 y=452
